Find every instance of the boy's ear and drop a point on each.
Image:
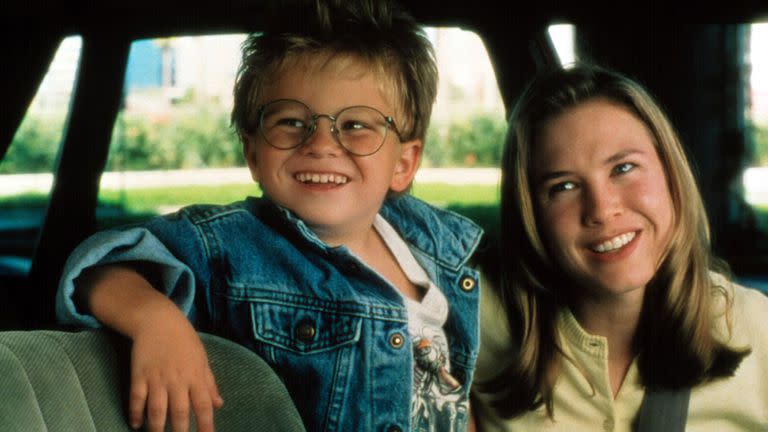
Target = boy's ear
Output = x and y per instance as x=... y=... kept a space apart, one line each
x=249 y=152
x=405 y=170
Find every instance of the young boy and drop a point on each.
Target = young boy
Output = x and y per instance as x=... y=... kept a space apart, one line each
x=356 y=294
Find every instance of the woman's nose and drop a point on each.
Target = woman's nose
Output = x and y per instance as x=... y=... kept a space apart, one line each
x=601 y=202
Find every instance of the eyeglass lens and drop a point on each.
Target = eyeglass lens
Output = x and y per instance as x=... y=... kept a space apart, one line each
x=286 y=124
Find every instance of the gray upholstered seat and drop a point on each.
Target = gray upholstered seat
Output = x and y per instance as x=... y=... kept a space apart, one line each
x=62 y=381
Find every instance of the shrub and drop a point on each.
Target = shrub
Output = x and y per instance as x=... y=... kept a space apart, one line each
x=759 y=147
x=35 y=145
x=476 y=141
x=192 y=137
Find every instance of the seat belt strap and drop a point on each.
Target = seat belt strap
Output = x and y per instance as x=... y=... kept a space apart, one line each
x=663 y=410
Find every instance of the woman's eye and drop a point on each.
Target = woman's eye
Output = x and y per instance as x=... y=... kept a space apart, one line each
x=561 y=187
x=624 y=168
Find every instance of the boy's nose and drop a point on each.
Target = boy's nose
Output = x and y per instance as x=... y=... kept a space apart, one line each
x=323 y=141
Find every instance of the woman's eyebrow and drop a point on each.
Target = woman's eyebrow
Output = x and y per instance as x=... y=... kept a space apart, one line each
x=552 y=175
x=621 y=155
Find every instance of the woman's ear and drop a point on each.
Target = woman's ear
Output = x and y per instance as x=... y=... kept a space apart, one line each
x=249 y=152
x=407 y=165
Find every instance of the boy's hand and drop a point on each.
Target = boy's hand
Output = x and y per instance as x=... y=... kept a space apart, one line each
x=169 y=366
x=169 y=375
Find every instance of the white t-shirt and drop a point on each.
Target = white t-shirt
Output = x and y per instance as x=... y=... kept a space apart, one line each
x=437 y=401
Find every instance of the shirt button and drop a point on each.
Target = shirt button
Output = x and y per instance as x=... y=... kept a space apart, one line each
x=396 y=341
x=608 y=425
x=467 y=283
x=305 y=331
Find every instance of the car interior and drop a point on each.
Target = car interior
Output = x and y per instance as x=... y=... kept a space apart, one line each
x=694 y=59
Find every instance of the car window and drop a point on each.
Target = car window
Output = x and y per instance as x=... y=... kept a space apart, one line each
x=562 y=38
x=754 y=185
x=26 y=170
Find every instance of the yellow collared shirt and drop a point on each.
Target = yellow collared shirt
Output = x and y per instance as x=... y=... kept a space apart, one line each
x=583 y=399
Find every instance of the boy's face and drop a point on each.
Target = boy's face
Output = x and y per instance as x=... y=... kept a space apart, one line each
x=334 y=192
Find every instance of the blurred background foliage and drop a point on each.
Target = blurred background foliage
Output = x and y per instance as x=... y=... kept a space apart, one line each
x=199 y=136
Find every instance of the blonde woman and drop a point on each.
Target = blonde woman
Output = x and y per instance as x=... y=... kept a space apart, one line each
x=608 y=287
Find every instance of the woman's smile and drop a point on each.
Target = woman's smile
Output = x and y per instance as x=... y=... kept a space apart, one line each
x=614 y=243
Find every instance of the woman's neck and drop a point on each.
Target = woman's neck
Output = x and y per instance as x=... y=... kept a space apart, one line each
x=616 y=318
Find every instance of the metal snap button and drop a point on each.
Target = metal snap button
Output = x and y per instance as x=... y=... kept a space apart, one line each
x=396 y=340
x=467 y=283
x=305 y=331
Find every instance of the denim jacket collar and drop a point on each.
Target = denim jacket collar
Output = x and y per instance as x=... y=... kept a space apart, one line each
x=443 y=234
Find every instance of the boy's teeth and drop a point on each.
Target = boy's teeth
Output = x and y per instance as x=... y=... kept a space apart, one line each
x=614 y=243
x=321 y=178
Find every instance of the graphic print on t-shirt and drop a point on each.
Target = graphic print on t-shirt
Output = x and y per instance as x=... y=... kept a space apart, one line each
x=439 y=403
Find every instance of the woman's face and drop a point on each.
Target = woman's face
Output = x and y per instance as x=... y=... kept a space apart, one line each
x=602 y=200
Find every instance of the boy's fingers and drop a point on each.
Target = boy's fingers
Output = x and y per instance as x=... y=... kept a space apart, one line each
x=178 y=404
x=218 y=401
x=157 y=409
x=137 y=400
x=203 y=408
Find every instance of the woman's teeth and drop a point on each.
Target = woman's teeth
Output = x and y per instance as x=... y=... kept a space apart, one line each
x=614 y=243
x=321 y=178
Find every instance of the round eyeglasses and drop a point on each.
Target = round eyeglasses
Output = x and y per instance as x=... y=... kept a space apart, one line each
x=288 y=123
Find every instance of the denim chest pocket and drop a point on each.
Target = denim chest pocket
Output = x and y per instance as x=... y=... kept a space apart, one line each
x=301 y=330
x=316 y=351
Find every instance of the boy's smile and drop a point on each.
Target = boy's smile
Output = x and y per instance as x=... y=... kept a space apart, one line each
x=334 y=192
x=321 y=178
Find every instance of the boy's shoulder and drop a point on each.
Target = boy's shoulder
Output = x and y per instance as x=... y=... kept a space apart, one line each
x=407 y=209
x=203 y=213
x=200 y=213
x=436 y=231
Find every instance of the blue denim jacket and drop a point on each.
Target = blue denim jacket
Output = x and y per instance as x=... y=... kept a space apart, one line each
x=332 y=328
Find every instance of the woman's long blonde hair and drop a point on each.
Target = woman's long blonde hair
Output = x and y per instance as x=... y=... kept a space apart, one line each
x=675 y=342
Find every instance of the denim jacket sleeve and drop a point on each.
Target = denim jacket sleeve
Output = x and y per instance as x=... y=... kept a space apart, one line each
x=169 y=275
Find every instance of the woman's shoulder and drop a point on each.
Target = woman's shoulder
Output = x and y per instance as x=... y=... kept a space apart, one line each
x=750 y=304
x=495 y=335
x=747 y=312
x=743 y=298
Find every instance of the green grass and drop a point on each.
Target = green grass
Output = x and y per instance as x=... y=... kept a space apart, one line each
x=24 y=201
x=451 y=195
x=158 y=200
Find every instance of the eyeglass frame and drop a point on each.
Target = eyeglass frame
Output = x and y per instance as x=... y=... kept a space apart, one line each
x=389 y=122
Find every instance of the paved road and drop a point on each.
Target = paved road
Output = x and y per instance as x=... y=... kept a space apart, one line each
x=755 y=179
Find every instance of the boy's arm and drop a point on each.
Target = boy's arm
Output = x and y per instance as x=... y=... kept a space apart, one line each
x=169 y=365
x=139 y=246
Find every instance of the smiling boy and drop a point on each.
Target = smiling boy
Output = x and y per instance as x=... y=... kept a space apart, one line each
x=355 y=293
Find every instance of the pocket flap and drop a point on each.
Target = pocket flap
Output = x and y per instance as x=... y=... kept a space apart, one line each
x=303 y=330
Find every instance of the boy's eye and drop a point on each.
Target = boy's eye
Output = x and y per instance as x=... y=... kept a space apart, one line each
x=624 y=168
x=354 y=125
x=291 y=123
